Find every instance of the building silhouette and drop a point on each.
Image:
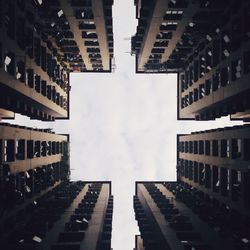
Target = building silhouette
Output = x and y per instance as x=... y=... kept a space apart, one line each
x=40 y=207
x=68 y=215
x=207 y=44
x=41 y=43
x=174 y=215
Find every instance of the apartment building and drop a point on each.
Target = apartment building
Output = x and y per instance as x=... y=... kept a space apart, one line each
x=172 y=216
x=31 y=160
x=43 y=41
x=216 y=162
x=206 y=43
x=69 y=215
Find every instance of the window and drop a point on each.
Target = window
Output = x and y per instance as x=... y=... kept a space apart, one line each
x=30 y=78
x=37 y=151
x=196 y=95
x=246 y=149
x=201 y=174
x=20 y=71
x=44 y=88
x=246 y=61
x=216 y=81
x=186 y=146
x=49 y=92
x=191 y=148
x=216 y=179
x=190 y=170
x=202 y=66
x=44 y=148
x=201 y=147
x=225 y=44
x=236 y=185
x=207 y=176
x=37 y=83
x=43 y=58
x=224 y=148
x=236 y=148
x=215 y=148
x=195 y=147
x=224 y=175
x=201 y=91
x=208 y=87
x=37 y=51
x=195 y=171
x=186 y=169
x=236 y=69
x=9 y=150
x=216 y=52
x=20 y=149
x=30 y=149
x=207 y=147
x=225 y=76
x=9 y=63
x=246 y=188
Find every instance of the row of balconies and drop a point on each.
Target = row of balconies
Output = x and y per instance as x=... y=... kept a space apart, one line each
x=224 y=148
x=16 y=188
x=219 y=179
x=221 y=77
x=17 y=70
x=12 y=150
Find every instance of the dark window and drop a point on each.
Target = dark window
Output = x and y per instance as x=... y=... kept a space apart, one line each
x=215 y=148
x=247 y=149
x=207 y=147
x=20 y=149
x=224 y=147
x=30 y=149
x=216 y=179
x=236 y=185
x=207 y=176
x=10 y=150
x=224 y=176
x=30 y=78
x=201 y=147
x=195 y=147
x=190 y=170
x=236 y=148
x=37 y=150
x=201 y=174
x=196 y=172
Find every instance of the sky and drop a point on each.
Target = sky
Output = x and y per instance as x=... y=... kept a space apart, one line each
x=123 y=127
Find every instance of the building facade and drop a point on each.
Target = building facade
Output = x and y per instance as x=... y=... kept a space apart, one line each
x=69 y=215
x=41 y=43
x=31 y=160
x=171 y=215
x=216 y=162
x=207 y=44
